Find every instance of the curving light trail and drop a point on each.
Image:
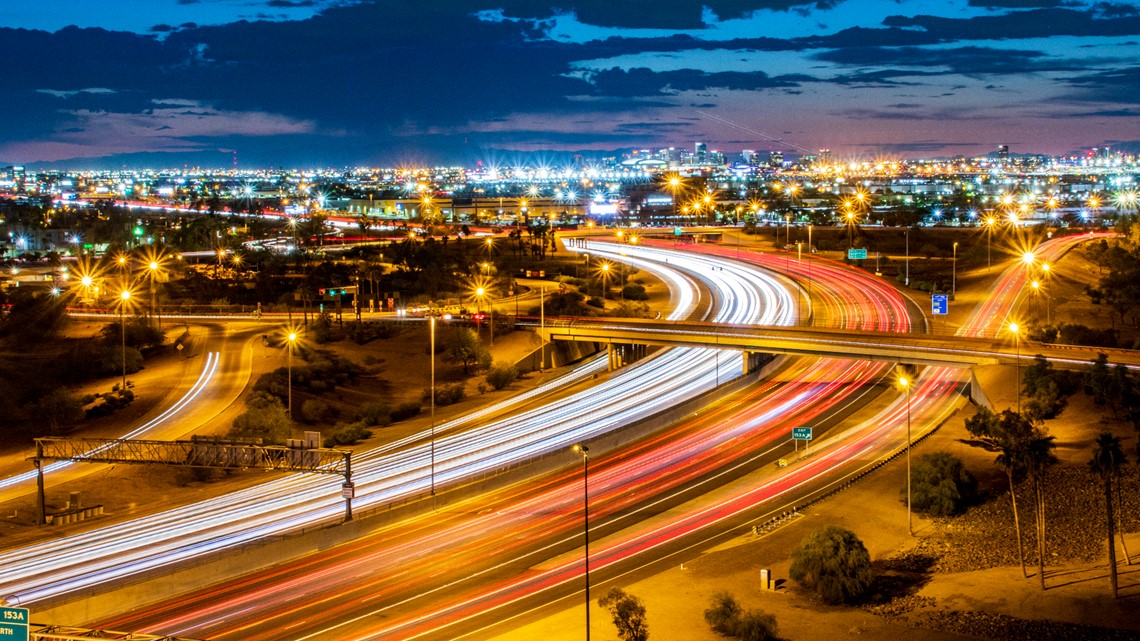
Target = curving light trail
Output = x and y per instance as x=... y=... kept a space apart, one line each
x=629 y=485
x=209 y=368
x=116 y=553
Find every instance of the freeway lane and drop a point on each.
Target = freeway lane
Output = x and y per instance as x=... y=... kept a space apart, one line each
x=468 y=543
x=111 y=556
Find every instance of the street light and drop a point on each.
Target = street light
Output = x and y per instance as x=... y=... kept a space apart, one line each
x=585 y=452
x=481 y=293
x=292 y=338
x=124 y=297
x=153 y=269
x=954 y=273
x=431 y=322
x=904 y=382
x=1016 y=329
x=989 y=238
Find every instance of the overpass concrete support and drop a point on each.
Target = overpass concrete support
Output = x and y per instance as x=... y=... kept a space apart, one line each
x=977 y=394
x=751 y=361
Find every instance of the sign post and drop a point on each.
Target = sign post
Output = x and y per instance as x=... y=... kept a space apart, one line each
x=801 y=434
x=939 y=304
x=14 y=625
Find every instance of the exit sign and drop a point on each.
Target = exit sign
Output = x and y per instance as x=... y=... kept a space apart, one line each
x=801 y=433
x=14 y=624
x=857 y=254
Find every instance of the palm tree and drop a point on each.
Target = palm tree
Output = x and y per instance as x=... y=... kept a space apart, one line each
x=1038 y=458
x=1107 y=460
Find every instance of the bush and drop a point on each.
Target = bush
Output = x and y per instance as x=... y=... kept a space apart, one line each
x=940 y=484
x=634 y=292
x=834 y=563
x=628 y=613
x=347 y=434
x=266 y=419
x=405 y=410
x=374 y=414
x=501 y=375
x=314 y=410
x=594 y=301
x=726 y=618
x=446 y=395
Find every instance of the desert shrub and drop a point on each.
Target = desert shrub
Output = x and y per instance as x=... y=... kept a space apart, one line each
x=445 y=395
x=266 y=419
x=501 y=375
x=940 y=484
x=628 y=613
x=374 y=414
x=834 y=563
x=634 y=292
x=405 y=411
x=347 y=434
x=726 y=618
x=314 y=410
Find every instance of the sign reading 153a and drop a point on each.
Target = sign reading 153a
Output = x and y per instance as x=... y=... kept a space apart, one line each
x=801 y=433
x=14 y=624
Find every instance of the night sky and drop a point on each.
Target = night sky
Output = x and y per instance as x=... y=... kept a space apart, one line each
x=315 y=83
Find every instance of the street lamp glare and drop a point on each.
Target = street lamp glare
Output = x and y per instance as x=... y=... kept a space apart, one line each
x=1028 y=258
x=125 y=295
x=292 y=336
x=1014 y=327
x=904 y=382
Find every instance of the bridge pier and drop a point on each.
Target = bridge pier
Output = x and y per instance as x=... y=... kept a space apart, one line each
x=751 y=361
x=622 y=354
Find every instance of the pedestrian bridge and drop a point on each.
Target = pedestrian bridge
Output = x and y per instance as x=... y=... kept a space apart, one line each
x=913 y=349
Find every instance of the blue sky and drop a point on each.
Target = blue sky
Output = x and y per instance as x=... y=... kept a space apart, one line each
x=359 y=82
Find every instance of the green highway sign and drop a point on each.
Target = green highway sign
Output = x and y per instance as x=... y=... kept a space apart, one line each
x=14 y=625
x=801 y=433
x=857 y=253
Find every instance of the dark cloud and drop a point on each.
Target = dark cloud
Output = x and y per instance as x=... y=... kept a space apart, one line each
x=290 y=4
x=1106 y=113
x=1116 y=85
x=650 y=14
x=1016 y=4
x=970 y=61
x=644 y=82
x=1039 y=23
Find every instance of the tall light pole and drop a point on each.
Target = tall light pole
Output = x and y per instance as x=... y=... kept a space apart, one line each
x=585 y=452
x=1016 y=329
x=292 y=339
x=431 y=322
x=954 y=273
x=989 y=239
x=124 y=297
x=904 y=382
x=153 y=267
x=907 y=234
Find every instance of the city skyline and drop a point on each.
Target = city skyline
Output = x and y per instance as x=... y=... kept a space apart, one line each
x=333 y=83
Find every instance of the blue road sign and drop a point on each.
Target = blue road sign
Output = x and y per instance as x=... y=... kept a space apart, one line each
x=801 y=433
x=939 y=304
x=14 y=625
x=857 y=253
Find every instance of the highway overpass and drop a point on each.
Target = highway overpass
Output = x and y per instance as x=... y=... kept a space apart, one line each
x=914 y=349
